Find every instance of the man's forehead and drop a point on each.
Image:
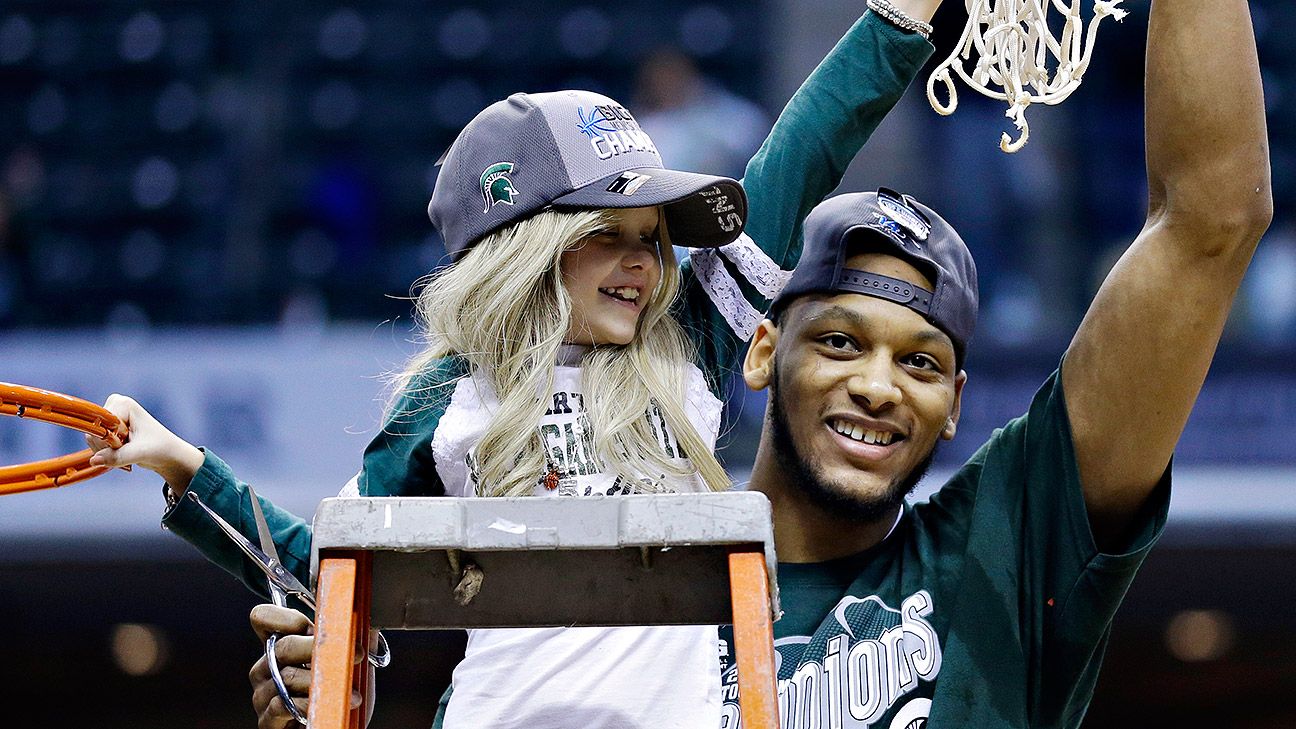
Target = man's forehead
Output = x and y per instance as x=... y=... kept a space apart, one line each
x=862 y=312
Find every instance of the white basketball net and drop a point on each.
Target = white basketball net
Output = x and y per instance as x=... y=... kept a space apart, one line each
x=1015 y=50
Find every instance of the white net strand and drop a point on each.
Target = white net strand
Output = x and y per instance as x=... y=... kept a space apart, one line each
x=1015 y=48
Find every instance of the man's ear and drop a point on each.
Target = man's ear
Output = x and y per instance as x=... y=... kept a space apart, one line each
x=758 y=365
x=951 y=425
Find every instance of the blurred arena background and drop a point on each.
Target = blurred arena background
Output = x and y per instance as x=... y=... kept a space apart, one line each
x=219 y=208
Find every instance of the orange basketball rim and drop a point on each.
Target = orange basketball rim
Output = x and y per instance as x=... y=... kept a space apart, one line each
x=70 y=412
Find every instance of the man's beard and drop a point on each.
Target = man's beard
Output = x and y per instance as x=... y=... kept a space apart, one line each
x=834 y=498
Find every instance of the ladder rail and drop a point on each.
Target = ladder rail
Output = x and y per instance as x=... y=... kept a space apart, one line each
x=354 y=537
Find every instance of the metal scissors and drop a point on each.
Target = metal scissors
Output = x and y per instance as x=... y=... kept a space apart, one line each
x=282 y=584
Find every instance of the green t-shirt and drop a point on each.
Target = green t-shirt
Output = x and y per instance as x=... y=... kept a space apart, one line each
x=988 y=606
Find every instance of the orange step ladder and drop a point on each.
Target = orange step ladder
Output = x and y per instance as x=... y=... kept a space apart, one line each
x=391 y=562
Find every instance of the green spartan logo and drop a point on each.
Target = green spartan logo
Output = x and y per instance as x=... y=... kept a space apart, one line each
x=496 y=187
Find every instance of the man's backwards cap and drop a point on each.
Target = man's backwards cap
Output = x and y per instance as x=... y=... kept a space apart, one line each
x=888 y=222
x=571 y=150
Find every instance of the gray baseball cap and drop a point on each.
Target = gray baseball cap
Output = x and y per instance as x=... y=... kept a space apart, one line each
x=571 y=150
x=896 y=224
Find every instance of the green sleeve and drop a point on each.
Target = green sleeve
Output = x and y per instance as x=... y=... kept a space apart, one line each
x=802 y=160
x=438 y=721
x=217 y=487
x=398 y=462
x=1034 y=594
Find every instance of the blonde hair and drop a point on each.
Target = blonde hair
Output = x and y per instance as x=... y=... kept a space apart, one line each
x=504 y=309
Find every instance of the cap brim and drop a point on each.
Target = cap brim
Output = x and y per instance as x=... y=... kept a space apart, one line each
x=702 y=211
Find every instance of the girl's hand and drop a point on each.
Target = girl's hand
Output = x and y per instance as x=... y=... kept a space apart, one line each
x=149 y=444
x=918 y=9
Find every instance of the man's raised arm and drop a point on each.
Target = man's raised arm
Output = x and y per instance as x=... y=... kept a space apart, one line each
x=1136 y=364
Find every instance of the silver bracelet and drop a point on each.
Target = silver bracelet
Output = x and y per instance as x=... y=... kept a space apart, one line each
x=170 y=495
x=898 y=18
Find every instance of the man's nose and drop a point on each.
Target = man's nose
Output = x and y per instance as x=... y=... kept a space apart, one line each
x=873 y=382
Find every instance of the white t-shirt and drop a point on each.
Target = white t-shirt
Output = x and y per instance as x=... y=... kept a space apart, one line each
x=586 y=678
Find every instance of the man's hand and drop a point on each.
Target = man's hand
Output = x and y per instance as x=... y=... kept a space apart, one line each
x=1136 y=364
x=293 y=651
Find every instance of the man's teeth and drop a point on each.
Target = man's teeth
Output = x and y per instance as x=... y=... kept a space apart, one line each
x=623 y=292
x=856 y=432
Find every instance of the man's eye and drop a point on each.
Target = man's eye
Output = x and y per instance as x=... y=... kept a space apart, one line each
x=922 y=361
x=839 y=341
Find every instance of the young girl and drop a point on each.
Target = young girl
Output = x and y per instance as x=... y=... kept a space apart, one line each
x=564 y=311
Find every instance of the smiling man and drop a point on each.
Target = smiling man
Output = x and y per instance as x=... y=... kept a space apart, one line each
x=989 y=605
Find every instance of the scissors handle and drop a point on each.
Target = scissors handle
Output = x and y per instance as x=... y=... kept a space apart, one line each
x=383 y=657
x=277 y=677
x=378 y=660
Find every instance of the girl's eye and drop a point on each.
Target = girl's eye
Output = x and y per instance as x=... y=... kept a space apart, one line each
x=650 y=241
x=839 y=341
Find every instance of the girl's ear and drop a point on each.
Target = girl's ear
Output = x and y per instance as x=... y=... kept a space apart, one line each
x=758 y=365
